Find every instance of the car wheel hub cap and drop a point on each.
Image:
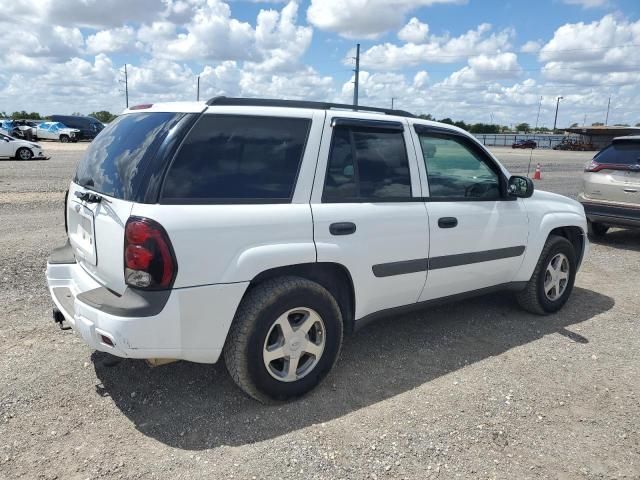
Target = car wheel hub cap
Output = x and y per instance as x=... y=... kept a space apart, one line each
x=294 y=344
x=556 y=277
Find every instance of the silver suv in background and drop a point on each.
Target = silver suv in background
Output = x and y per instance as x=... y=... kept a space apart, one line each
x=611 y=186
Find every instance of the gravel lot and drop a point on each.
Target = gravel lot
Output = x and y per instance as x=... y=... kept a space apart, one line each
x=477 y=389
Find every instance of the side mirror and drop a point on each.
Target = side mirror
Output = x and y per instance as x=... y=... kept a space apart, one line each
x=521 y=187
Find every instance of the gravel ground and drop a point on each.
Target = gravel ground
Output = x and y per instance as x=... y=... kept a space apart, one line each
x=477 y=389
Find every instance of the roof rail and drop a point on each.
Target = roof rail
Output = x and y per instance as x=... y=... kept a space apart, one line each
x=269 y=102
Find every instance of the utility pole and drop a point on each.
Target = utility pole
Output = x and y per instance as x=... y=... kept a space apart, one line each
x=584 y=122
x=357 y=79
x=606 y=121
x=126 y=85
x=392 y=99
x=538 y=117
x=491 y=118
x=556 y=119
x=198 y=90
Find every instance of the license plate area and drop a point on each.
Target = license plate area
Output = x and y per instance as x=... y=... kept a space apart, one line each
x=82 y=233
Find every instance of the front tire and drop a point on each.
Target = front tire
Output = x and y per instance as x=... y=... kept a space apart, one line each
x=64 y=139
x=24 y=154
x=552 y=281
x=285 y=338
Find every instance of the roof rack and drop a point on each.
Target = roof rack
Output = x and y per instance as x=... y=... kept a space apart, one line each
x=269 y=102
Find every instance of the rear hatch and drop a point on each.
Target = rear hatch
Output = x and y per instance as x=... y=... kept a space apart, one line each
x=112 y=176
x=614 y=174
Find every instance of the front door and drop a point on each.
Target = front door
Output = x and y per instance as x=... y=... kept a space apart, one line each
x=477 y=233
x=367 y=209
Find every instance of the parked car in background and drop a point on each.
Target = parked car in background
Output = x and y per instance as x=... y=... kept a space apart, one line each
x=524 y=144
x=23 y=129
x=57 y=131
x=89 y=127
x=19 y=149
x=238 y=228
x=611 y=186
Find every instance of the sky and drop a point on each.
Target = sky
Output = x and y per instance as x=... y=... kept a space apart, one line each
x=473 y=60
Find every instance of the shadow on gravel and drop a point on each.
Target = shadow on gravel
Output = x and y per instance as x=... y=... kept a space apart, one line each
x=623 y=239
x=194 y=406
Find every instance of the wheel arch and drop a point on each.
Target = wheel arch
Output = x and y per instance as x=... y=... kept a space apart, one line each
x=335 y=277
x=569 y=225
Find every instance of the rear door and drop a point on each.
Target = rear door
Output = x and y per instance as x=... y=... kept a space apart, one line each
x=367 y=212
x=478 y=235
x=614 y=174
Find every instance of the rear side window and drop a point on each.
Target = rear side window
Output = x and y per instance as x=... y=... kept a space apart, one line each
x=114 y=162
x=231 y=159
x=367 y=164
x=620 y=153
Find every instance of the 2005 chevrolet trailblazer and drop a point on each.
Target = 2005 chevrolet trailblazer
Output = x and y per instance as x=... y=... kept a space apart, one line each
x=262 y=230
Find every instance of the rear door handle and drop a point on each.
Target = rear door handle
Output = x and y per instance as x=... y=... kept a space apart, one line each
x=342 y=228
x=447 y=222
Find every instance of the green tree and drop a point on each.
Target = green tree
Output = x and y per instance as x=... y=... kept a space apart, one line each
x=573 y=125
x=26 y=115
x=621 y=125
x=426 y=116
x=523 y=127
x=638 y=124
x=103 y=116
x=597 y=124
x=447 y=120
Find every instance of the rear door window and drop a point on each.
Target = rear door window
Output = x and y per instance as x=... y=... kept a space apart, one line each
x=238 y=159
x=367 y=164
x=622 y=153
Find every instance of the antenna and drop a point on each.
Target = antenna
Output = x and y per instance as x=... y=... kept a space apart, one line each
x=357 y=79
x=536 y=129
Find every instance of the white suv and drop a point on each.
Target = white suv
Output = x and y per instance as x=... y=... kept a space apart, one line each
x=262 y=230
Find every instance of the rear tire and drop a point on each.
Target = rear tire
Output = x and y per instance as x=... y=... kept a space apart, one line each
x=597 y=229
x=258 y=333
x=24 y=153
x=547 y=292
x=64 y=139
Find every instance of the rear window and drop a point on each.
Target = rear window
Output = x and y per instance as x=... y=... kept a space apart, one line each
x=114 y=162
x=231 y=159
x=620 y=153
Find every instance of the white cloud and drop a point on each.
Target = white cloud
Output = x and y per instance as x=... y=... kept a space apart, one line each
x=414 y=32
x=110 y=41
x=587 y=3
x=604 y=51
x=437 y=49
x=531 y=46
x=363 y=18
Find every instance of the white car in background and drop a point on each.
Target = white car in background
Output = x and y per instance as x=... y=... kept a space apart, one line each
x=19 y=149
x=57 y=131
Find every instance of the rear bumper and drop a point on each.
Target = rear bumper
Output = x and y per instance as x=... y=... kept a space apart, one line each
x=613 y=214
x=186 y=323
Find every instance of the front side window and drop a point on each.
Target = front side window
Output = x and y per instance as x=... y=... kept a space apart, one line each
x=367 y=164
x=232 y=158
x=455 y=172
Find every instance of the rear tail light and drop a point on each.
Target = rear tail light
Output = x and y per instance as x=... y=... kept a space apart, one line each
x=149 y=261
x=592 y=166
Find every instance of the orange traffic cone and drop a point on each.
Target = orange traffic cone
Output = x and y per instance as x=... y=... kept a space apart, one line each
x=538 y=173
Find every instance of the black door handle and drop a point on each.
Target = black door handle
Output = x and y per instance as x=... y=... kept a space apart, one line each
x=342 y=228
x=447 y=222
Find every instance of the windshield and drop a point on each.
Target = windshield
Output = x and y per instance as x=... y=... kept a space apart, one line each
x=114 y=162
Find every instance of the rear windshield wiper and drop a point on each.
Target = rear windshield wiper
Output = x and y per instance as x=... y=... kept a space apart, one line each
x=91 y=197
